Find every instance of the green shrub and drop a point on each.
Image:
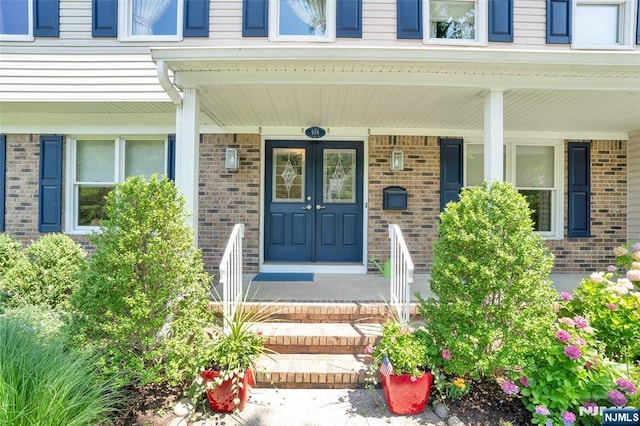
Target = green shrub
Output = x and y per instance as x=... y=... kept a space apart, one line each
x=47 y=272
x=47 y=323
x=143 y=298
x=9 y=252
x=490 y=275
x=43 y=384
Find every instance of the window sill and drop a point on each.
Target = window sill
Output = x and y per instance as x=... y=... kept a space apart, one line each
x=454 y=42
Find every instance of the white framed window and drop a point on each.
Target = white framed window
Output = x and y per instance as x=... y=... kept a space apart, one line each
x=16 y=20
x=601 y=24
x=462 y=22
x=302 y=20
x=150 y=20
x=536 y=170
x=95 y=165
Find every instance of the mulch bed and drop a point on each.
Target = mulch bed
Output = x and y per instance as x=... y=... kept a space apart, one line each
x=487 y=405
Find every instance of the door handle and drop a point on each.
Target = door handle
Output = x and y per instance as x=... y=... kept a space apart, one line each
x=319 y=207
x=307 y=207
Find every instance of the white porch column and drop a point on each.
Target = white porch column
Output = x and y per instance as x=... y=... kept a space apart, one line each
x=493 y=136
x=187 y=153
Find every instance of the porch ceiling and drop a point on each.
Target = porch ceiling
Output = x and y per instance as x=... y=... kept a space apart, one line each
x=439 y=91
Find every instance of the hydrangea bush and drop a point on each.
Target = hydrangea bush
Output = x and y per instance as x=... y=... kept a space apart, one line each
x=611 y=302
x=594 y=360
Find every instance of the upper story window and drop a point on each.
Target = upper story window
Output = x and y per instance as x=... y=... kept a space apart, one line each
x=456 y=21
x=300 y=20
x=536 y=169
x=157 y=20
x=16 y=20
x=95 y=165
x=603 y=23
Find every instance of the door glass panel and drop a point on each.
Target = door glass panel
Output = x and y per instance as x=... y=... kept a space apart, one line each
x=288 y=175
x=339 y=176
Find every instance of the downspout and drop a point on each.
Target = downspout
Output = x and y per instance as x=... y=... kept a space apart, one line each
x=167 y=84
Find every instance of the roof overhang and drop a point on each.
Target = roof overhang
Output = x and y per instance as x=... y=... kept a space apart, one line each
x=410 y=90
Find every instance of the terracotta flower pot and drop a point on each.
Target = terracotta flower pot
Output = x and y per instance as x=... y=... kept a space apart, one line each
x=406 y=394
x=221 y=396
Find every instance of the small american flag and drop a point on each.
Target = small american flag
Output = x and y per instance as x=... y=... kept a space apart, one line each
x=386 y=368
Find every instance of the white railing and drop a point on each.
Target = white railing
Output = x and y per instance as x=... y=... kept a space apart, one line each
x=401 y=273
x=231 y=276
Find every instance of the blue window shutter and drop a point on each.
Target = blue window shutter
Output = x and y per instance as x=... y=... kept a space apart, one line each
x=349 y=18
x=171 y=157
x=579 y=189
x=450 y=170
x=196 y=18
x=104 y=18
x=559 y=21
x=409 y=18
x=50 y=194
x=501 y=20
x=638 y=25
x=3 y=171
x=255 y=18
x=46 y=18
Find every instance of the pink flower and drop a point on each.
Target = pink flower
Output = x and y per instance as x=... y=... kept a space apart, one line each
x=369 y=349
x=596 y=277
x=542 y=410
x=446 y=354
x=612 y=306
x=510 y=388
x=568 y=417
x=591 y=407
x=635 y=247
x=565 y=296
x=633 y=275
x=563 y=336
x=572 y=352
x=581 y=322
x=611 y=268
x=617 y=398
x=567 y=321
x=524 y=382
x=627 y=386
x=579 y=341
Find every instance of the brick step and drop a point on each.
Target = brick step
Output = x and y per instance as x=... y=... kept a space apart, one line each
x=324 y=338
x=321 y=312
x=312 y=371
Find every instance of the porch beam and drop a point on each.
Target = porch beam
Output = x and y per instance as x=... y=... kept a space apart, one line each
x=187 y=153
x=494 y=136
x=434 y=76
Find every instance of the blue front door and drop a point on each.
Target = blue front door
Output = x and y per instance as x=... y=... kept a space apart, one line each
x=313 y=201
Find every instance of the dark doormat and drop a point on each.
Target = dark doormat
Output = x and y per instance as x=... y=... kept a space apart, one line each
x=289 y=276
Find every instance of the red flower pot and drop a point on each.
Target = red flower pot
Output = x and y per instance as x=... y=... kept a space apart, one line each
x=406 y=394
x=221 y=396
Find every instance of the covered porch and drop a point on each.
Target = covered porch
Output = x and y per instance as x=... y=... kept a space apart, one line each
x=350 y=288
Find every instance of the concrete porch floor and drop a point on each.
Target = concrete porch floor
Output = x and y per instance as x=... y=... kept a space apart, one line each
x=353 y=288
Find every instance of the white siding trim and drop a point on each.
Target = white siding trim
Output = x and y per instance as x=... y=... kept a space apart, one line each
x=633 y=188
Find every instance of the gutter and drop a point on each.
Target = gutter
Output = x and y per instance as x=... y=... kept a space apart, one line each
x=167 y=84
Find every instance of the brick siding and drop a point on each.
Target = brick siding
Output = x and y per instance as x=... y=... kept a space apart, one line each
x=226 y=198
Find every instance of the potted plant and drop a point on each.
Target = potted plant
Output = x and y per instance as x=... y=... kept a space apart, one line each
x=402 y=361
x=385 y=269
x=229 y=360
